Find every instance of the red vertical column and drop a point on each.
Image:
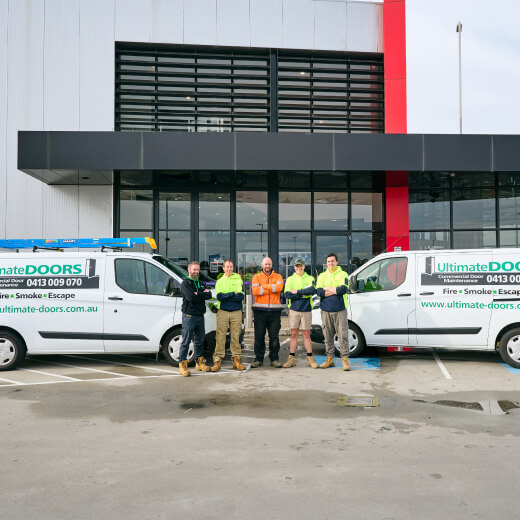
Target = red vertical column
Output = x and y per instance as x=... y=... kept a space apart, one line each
x=397 y=225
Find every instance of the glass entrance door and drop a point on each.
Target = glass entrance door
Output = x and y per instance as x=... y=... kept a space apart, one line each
x=327 y=243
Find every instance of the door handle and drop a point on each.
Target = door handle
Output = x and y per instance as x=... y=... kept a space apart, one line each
x=114 y=298
x=427 y=293
x=404 y=294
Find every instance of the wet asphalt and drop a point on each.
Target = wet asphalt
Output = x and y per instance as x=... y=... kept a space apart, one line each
x=396 y=443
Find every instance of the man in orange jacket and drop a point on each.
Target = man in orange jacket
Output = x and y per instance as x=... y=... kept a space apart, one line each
x=267 y=310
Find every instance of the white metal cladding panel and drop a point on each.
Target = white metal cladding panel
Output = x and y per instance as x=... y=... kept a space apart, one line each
x=200 y=22
x=266 y=23
x=330 y=26
x=132 y=23
x=166 y=21
x=60 y=211
x=61 y=65
x=3 y=113
x=298 y=24
x=96 y=59
x=25 y=112
x=95 y=211
x=233 y=23
x=364 y=27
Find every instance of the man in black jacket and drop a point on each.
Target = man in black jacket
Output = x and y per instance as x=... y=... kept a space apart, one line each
x=194 y=296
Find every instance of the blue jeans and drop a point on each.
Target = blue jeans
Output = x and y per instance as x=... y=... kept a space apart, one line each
x=192 y=327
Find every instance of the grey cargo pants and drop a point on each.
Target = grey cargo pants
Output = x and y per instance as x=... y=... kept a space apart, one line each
x=335 y=323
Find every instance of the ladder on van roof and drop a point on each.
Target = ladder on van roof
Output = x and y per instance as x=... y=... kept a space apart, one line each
x=65 y=243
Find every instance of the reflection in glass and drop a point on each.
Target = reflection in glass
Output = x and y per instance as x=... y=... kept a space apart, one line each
x=175 y=245
x=429 y=209
x=331 y=211
x=509 y=179
x=364 y=247
x=174 y=210
x=367 y=211
x=251 y=249
x=251 y=210
x=335 y=180
x=474 y=208
x=326 y=244
x=510 y=238
x=136 y=178
x=136 y=209
x=214 y=211
x=474 y=239
x=293 y=245
x=473 y=179
x=367 y=180
x=294 y=179
x=251 y=179
x=428 y=180
x=509 y=205
x=421 y=240
x=294 y=210
x=214 y=179
x=213 y=250
x=143 y=248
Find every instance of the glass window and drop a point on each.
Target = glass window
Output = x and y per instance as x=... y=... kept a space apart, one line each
x=251 y=179
x=251 y=210
x=385 y=275
x=335 y=180
x=473 y=179
x=474 y=208
x=509 y=179
x=421 y=240
x=175 y=245
x=331 y=211
x=510 y=238
x=136 y=178
x=367 y=211
x=367 y=180
x=474 y=239
x=292 y=245
x=136 y=209
x=294 y=179
x=251 y=249
x=174 y=210
x=175 y=179
x=214 y=211
x=428 y=180
x=143 y=248
x=216 y=180
x=157 y=281
x=327 y=244
x=294 y=210
x=429 y=209
x=509 y=207
x=364 y=247
x=130 y=275
x=213 y=250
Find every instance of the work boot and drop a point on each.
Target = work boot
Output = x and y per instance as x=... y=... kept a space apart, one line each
x=276 y=364
x=216 y=365
x=346 y=364
x=183 y=369
x=237 y=363
x=291 y=362
x=311 y=362
x=329 y=362
x=256 y=364
x=200 y=365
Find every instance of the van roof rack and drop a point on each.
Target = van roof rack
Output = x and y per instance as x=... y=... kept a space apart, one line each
x=65 y=243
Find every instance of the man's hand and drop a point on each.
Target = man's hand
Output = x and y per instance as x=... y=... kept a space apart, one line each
x=294 y=291
x=330 y=291
x=207 y=290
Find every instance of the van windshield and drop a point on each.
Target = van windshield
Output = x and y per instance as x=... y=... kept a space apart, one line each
x=178 y=270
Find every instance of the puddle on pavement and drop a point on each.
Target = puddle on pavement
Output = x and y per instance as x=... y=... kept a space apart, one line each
x=488 y=407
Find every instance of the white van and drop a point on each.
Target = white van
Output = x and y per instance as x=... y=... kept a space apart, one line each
x=91 y=303
x=457 y=299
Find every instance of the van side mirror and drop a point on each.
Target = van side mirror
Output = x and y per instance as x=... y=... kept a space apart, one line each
x=352 y=284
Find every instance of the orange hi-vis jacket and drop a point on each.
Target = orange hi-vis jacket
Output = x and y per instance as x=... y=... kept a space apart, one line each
x=267 y=290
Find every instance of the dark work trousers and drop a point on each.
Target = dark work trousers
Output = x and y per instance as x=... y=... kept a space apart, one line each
x=192 y=328
x=270 y=321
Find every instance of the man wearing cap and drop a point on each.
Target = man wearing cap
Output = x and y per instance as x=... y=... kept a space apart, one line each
x=267 y=310
x=299 y=289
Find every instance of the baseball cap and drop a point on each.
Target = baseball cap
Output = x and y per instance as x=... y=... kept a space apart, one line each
x=299 y=261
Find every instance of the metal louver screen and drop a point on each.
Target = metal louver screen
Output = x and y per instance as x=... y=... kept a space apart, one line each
x=321 y=93
x=191 y=89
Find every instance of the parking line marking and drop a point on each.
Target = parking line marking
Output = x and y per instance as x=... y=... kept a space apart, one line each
x=49 y=374
x=285 y=341
x=443 y=369
x=10 y=381
x=83 y=368
x=123 y=364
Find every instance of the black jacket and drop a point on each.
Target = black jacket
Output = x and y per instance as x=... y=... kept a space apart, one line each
x=193 y=299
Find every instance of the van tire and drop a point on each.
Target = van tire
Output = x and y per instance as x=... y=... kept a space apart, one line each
x=509 y=347
x=12 y=350
x=356 y=337
x=171 y=347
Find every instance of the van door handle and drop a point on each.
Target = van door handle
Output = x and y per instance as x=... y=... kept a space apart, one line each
x=404 y=294
x=427 y=293
x=114 y=298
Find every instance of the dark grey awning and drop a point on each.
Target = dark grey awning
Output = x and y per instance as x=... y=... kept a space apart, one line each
x=91 y=157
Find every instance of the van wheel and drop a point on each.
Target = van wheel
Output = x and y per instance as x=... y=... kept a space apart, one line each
x=356 y=341
x=172 y=347
x=509 y=348
x=12 y=350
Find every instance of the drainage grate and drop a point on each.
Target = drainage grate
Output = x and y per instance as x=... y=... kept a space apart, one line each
x=354 y=400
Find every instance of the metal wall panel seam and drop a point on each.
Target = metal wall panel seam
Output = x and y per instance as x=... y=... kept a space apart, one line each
x=423 y=152
x=4 y=184
x=492 y=153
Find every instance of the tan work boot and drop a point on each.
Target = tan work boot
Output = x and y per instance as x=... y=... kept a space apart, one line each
x=200 y=365
x=183 y=369
x=311 y=362
x=291 y=362
x=216 y=365
x=237 y=363
x=346 y=364
x=329 y=362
